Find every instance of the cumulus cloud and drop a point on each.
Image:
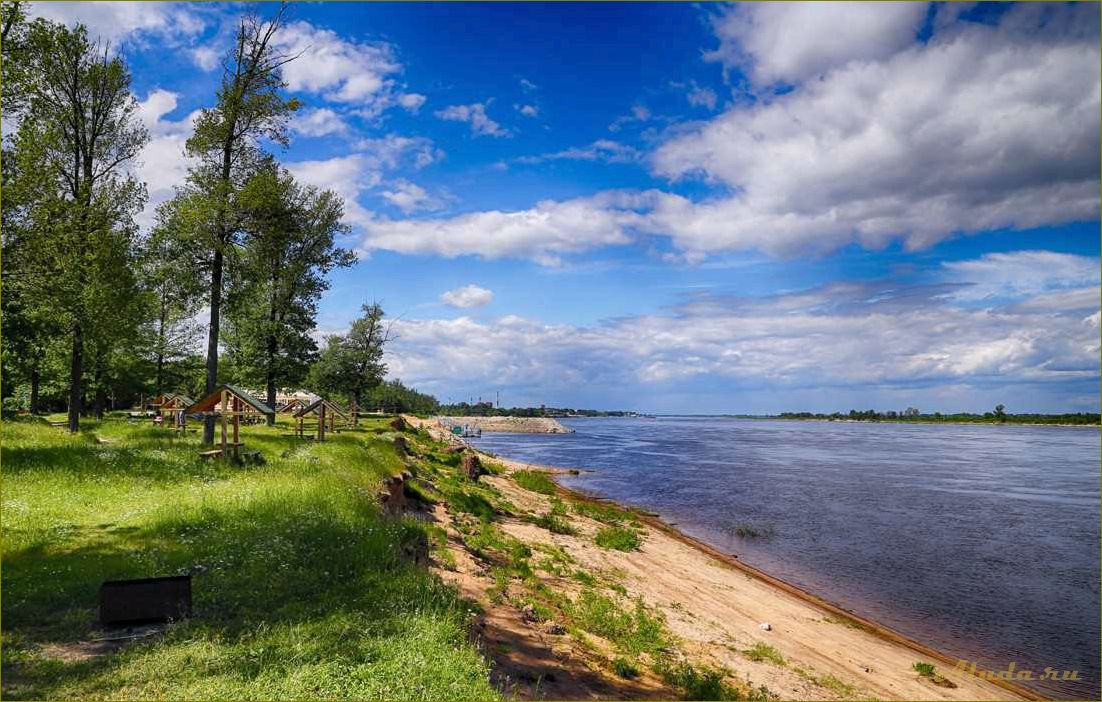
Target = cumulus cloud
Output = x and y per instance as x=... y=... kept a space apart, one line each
x=412 y=101
x=348 y=176
x=845 y=335
x=981 y=128
x=467 y=297
x=410 y=197
x=793 y=41
x=359 y=73
x=527 y=110
x=125 y=21
x=162 y=164
x=318 y=122
x=542 y=233
x=1022 y=274
x=475 y=115
x=353 y=175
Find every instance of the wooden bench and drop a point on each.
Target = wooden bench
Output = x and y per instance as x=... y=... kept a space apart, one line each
x=207 y=455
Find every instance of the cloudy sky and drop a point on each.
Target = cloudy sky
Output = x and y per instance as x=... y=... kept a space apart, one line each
x=744 y=208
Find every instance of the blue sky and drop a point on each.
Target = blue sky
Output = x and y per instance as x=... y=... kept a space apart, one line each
x=671 y=207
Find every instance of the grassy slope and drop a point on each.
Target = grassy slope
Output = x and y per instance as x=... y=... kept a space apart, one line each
x=299 y=588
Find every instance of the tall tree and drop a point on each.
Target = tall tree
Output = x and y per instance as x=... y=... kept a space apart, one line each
x=78 y=132
x=289 y=248
x=249 y=106
x=352 y=364
x=174 y=271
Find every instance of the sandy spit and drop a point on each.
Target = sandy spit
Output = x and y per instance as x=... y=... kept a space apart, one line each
x=716 y=605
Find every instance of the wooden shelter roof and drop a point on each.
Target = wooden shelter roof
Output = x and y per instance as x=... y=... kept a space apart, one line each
x=178 y=402
x=210 y=402
x=162 y=398
x=292 y=404
x=314 y=406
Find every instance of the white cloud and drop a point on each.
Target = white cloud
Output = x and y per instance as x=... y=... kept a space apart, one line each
x=982 y=128
x=475 y=115
x=348 y=176
x=639 y=113
x=353 y=175
x=1022 y=274
x=701 y=97
x=410 y=197
x=542 y=233
x=411 y=101
x=393 y=150
x=527 y=110
x=318 y=122
x=125 y=21
x=601 y=150
x=358 y=73
x=162 y=164
x=527 y=85
x=205 y=57
x=468 y=296
x=839 y=336
x=793 y=41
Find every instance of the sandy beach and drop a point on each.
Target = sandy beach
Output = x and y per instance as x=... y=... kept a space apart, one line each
x=516 y=425
x=716 y=606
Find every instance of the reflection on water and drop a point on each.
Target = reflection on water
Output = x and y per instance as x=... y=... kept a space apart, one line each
x=982 y=541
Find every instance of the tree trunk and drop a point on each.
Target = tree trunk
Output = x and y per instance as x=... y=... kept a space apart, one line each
x=212 y=340
x=269 y=370
x=35 y=379
x=76 y=378
x=101 y=401
x=160 y=377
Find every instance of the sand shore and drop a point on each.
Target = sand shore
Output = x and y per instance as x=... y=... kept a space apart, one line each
x=716 y=605
x=516 y=425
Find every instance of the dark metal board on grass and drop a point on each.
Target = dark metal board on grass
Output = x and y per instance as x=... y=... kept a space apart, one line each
x=145 y=600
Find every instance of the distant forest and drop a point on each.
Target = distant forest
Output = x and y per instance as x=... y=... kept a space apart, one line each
x=996 y=416
x=486 y=409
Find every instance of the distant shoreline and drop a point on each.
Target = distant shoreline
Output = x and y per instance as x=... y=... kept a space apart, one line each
x=847 y=420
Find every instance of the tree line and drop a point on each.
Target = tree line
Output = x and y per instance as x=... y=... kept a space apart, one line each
x=96 y=312
x=998 y=415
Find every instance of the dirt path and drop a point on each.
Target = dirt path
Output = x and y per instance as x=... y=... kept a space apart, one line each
x=716 y=608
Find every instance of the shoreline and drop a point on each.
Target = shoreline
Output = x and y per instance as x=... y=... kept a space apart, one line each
x=655 y=522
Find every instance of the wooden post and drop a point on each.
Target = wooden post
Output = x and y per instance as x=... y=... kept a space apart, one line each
x=355 y=413
x=321 y=422
x=236 y=422
x=225 y=398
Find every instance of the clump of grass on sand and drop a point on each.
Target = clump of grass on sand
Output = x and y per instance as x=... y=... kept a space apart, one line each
x=300 y=586
x=762 y=651
x=606 y=513
x=928 y=671
x=617 y=538
x=535 y=481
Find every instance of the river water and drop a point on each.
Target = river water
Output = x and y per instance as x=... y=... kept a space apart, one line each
x=981 y=541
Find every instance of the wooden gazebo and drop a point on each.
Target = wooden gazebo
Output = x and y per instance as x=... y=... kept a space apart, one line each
x=176 y=406
x=293 y=405
x=231 y=403
x=327 y=414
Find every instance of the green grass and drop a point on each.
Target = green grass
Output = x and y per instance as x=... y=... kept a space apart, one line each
x=554 y=524
x=625 y=668
x=926 y=670
x=300 y=588
x=761 y=651
x=629 y=627
x=609 y=514
x=618 y=538
x=534 y=481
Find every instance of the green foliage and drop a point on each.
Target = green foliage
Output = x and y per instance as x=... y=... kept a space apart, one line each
x=352 y=364
x=299 y=580
x=617 y=538
x=924 y=669
x=762 y=651
x=535 y=481
x=631 y=629
x=625 y=668
x=701 y=683
x=554 y=523
x=280 y=274
x=395 y=397
x=607 y=513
